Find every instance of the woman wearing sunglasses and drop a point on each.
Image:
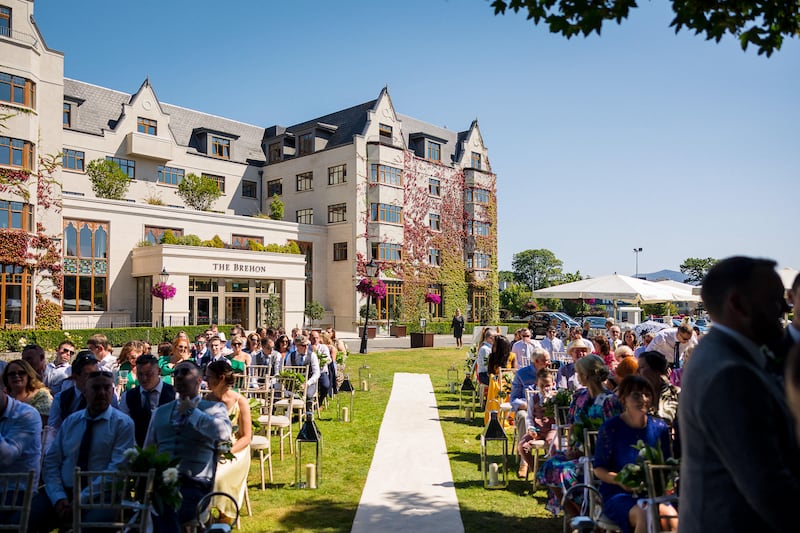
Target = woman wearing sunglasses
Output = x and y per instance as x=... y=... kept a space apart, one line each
x=180 y=352
x=23 y=385
x=238 y=357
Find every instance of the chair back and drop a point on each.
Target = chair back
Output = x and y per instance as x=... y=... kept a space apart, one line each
x=663 y=483
x=563 y=428
x=16 y=494
x=110 y=495
x=259 y=377
x=240 y=382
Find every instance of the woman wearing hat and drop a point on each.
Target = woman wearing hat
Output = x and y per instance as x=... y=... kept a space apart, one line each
x=590 y=407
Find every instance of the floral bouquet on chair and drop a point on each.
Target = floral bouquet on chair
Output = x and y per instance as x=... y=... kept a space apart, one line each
x=632 y=475
x=166 y=492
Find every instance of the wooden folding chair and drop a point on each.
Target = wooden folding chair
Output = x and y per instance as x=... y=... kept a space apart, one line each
x=282 y=423
x=105 y=499
x=662 y=494
x=16 y=495
x=263 y=443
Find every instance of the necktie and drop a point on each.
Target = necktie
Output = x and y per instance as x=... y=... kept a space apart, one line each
x=148 y=399
x=86 y=444
x=677 y=356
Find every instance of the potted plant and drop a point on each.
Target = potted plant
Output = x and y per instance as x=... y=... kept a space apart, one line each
x=425 y=339
x=397 y=329
x=372 y=329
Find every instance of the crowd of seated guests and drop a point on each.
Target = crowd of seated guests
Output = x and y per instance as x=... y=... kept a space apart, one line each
x=88 y=409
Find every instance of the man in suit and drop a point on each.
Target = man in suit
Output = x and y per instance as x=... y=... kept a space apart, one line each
x=740 y=465
x=72 y=399
x=140 y=402
x=191 y=429
x=305 y=357
x=792 y=333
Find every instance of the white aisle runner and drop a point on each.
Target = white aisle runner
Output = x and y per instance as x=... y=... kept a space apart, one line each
x=410 y=486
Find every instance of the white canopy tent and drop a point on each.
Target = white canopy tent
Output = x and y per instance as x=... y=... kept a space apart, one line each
x=683 y=291
x=787 y=276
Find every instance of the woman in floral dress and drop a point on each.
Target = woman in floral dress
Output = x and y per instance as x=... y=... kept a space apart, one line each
x=590 y=407
x=23 y=385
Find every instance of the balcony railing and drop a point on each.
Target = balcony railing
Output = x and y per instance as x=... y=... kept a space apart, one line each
x=26 y=38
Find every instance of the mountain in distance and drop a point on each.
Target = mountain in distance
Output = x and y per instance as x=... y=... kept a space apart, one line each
x=674 y=275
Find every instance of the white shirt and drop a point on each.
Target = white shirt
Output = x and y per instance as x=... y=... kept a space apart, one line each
x=553 y=346
x=523 y=350
x=664 y=343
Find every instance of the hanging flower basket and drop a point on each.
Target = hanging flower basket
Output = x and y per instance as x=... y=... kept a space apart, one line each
x=433 y=298
x=377 y=289
x=163 y=291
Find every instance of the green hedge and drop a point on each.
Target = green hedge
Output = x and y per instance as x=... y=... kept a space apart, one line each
x=14 y=340
x=443 y=327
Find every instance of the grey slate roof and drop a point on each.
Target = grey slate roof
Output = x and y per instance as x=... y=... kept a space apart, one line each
x=349 y=122
x=412 y=125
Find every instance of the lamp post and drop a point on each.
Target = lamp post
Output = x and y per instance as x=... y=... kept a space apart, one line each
x=163 y=277
x=371 y=269
x=637 y=251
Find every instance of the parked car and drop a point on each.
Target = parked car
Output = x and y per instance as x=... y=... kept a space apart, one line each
x=540 y=320
x=571 y=322
x=595 y=322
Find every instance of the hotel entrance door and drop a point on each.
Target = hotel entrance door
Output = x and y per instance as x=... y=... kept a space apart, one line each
x=236 y=311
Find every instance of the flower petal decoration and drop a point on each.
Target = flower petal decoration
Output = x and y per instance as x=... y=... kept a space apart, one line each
x=163 y=291
x=433 y=298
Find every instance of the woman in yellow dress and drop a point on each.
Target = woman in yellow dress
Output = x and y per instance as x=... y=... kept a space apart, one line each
x=500 y=358
x=232 y=473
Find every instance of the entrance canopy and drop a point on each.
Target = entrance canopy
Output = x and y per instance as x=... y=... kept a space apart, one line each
x=613 y=287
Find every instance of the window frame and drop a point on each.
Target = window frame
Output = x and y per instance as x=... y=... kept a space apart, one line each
x=147 y=126
x=93 y=263
x=340 y=251
x=386 y=175
x=158 y=232
x=174 y=174
x=304 y=216
x=271 y=187
x=25 y=211
x=26 y=152
x=219 y=180
x=250 y=185
x=435 y=221
x=337 y=213
x=305 y=144
x=434 y=257
x=242 y=242
x=337 y=174
x=75 y=158
x=220 y=147
x=435 y=187
x=306 y=178
x=386 y=251
x=19 y=85
x=275 y=152
x=478 y=195
x=127 y=166
x=476 y=160
x=433 y=150
x=386 y=213
x=385 y=131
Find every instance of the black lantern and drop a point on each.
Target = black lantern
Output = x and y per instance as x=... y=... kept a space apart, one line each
x=163 y=277
x=307 y=464
x=467 y=399
x=364 y=377
x=346 y=387
x=371 y=269
x=494 y=454
x=452 y=378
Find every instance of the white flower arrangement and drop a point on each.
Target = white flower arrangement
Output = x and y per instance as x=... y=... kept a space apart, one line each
x=130 y=454
x=170 y=476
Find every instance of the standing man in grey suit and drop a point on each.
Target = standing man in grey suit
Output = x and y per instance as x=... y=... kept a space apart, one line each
x=741 y=465
x=189 y=428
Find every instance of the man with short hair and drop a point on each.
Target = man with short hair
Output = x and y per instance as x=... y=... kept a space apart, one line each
x=551 y=343
x=524 y=347
x=672 y=343
x=20 y=446
x=57 y=371
x=740 y=466
x=94 y=438
x=326 y=379
x=305 y=357
x=215 y=351
x=525 y=380
x=190 y=429
x=200 y=348
x=33 y=354
x=72 y=399
x=98 y=344
x=140 y=401
x=614 y=337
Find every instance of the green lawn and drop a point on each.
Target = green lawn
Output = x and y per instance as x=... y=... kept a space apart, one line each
x=347 y=454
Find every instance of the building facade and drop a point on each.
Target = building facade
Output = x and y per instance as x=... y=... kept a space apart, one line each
x=358 y=184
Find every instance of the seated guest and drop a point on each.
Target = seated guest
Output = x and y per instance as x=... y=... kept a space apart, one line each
x=253 y=344
x=215 y=351
x=58 y=370
x=303 y=356
x=653 y=368
x=523 y=347
x=604 y=350
x=615 y=449
x=525 y=379
x=33 y=354
x=567 y=378
x=238 y=358
x=103 y=351
x=20 y=446
x=72 y=399
x=127 y=363
x=551 y=343
x=191 y=429
x=590 y=407
x=150 y=393
x=179 y=351
x=23 y=385
x=500 y=358
x=647 y=338
x=200 y=348
x=94 y=438
x=539 y=426
x=482 y=359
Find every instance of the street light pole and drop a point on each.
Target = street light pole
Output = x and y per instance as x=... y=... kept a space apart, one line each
x=637 y=251
x=371 y=269
x=163 y=277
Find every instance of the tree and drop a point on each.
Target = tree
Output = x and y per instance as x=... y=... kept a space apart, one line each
x=272 y=310
x=198 y=192
x=505 y=275
x=108 y=180
x=696 y=268
x=276 y=208
x=537 y=268
x=762 y=23
x=569 y=278
x=314 y=310
x=515 y=298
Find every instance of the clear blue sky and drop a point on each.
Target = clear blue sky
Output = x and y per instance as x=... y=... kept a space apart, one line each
x=636 y=138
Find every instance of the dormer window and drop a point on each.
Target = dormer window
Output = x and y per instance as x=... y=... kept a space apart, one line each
x=476 y=161
x=146 y=126
x=433 y=151
x=220 y=147
x=306 y=144
x=275 y=152
x=385 y=132
x=67 y=115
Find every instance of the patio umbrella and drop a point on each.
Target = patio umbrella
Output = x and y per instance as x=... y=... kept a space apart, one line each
x=787 y=276
x=649 y=325
x=683 y=292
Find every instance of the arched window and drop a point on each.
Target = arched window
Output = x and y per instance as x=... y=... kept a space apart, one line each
x=85 y=265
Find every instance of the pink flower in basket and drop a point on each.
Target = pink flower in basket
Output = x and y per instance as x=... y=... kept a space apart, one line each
x=163 y=291
x=433 y=298
x=375 y=288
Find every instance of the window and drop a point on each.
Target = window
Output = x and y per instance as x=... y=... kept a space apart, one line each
x=220 y=147
x=478 y=196
x=434 y=187
x=385 y=132
x=16 y=153
x=16 y=89
x=242 y=242
x=126 y=165
x=275 y=152
x=435 y=221
x=249 y=189
x=85 y=265
x=66 y=117
x=340 y=251
x=337 y=174
x=393 y=214
x=389 y=307
x=220 y=181
x=5 y=21
x=146 y=126
x=153 y=234
x=434 y=151
x=304 y=216
x=15 y=288
x=305 y=181
x=476 y=160
x=73 y=159
x=434 y=257
x=387 y=175
x=170 y=175
x=478 y=260
x=337 y=213
x=476 y=227
x=386 y=251
x=306 y=144
x=16 y=215
x=274 y=187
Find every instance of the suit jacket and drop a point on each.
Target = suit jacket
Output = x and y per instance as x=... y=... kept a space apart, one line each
x=141 y=416
x=195 y=442
x=740 y=462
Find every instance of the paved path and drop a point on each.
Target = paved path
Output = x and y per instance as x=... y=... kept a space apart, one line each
x=410 y=485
